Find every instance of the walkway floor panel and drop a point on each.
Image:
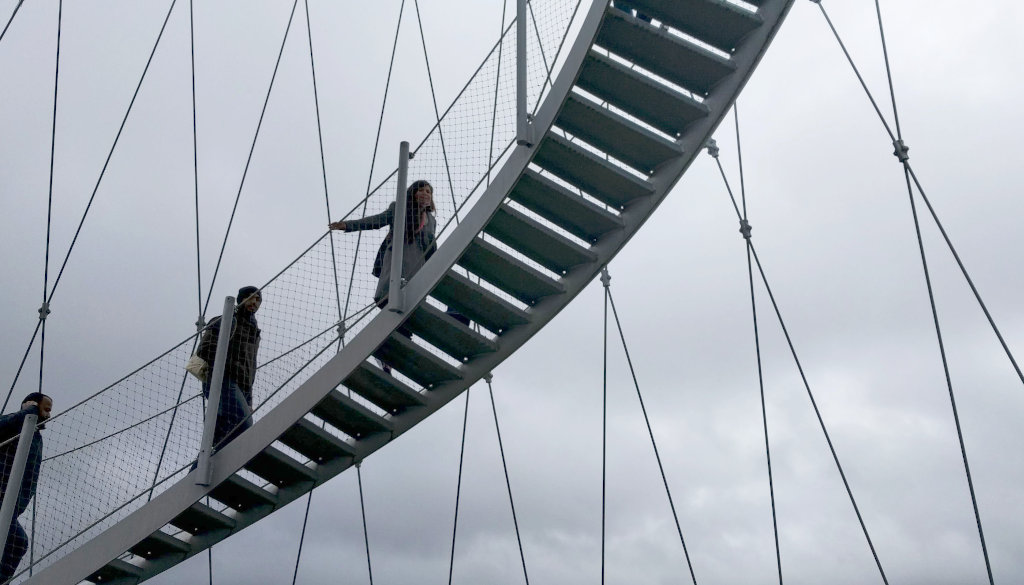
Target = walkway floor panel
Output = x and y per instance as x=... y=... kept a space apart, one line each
x=349 y=416
x=316 y=443
x=507 y=273
x=448 y=334
x=385 y=391
x=590 y=172
x=562 y=207
x=642 y=96
x=539 y=243
x=615 y=134
x=681 y=62
x=716 y=22
x=478 y=303
x=415 y=361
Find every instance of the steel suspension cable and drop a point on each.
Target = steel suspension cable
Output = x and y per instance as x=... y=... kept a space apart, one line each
x=606 y=280
x=497 y=84
x=17 y=7
x=44 y=309
x=650 y=432
x=745 y=231
x=458 y=487
x=366 y=534
x=437 y=112
x=901 y=152
x=92 y=197
x=508 y=483
x=373 y=159
x=248 y=160
x=806 y=384
x=334 y=262
x=201 y=319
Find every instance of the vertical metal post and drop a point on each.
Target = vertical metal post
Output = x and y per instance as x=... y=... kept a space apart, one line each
x=13 y=492
x=220 y=360
x=396 y=296
x=523 y=128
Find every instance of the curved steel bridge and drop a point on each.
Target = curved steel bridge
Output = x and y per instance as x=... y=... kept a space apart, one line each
x=632 y=106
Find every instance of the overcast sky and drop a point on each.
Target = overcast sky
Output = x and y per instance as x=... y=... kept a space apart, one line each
x=832 y=225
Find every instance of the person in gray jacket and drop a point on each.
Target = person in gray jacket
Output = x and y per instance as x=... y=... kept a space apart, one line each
x=10 y=427
x=235 y=410
x=418 y=241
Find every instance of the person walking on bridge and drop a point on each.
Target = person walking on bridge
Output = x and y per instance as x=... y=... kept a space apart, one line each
x=234 y=413
x=10 y=427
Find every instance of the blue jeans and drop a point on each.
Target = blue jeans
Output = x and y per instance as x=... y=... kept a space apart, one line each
x=17 y=546
x=234 y=414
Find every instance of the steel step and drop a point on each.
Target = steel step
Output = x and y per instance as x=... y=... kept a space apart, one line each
x=352 y=418
x=278 y=468
x=447 y=334
x=117 y=571
x=478 y=303
x=316 y=443
x=627 y=141
x=372 y=383
x=415 y=361
x=241 y=494
x=715 y=22
x=507 y=273
x=590 y=172
x=651 y=101
x=160 y=544
x=536 y=241
x=662 y=53
x=563 y=208
x=201 y=519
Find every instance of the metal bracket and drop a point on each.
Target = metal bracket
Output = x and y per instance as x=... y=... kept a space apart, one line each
x=606 y=279
x=712 y=147
x=44 y=311
x=200 y=323
x=745 y=229
x=488 y=377
x=901 y=150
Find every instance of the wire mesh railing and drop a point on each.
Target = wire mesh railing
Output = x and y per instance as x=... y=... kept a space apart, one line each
x=106 y=456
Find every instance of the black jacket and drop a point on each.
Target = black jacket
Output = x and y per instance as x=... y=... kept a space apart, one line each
x=10 y=428
x=242 y=349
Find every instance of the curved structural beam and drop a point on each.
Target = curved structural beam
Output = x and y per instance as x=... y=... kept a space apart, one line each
x=668 y=93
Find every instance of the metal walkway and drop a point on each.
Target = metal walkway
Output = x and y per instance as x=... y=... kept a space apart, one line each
x=633 y=105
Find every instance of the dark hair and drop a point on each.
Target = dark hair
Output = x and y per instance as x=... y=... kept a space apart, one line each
x=412 y=215
x=36 y=397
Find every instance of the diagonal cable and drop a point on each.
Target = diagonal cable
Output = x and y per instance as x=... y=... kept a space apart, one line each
x=437 y=112
x=373 y=159
x=458 y=487
x=508 y=483
x=248 y=160
x=17 y=7
x=807 y=386
x=901 y=152
x=650 y=432
x=92 y=197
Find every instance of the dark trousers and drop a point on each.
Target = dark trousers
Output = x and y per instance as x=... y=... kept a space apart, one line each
x=17 y=546
x=233 y=415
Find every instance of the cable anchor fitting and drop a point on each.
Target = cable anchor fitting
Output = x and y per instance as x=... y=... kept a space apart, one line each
x=745 y=229
x=488 y=377
x=44 y=311
x=712 y=147
x=606 y=279
x=901 y=150
x=342 y=328
x=200 y=323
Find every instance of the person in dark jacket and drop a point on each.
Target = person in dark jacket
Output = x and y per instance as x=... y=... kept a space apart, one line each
x=10 y=427
x=235 y=410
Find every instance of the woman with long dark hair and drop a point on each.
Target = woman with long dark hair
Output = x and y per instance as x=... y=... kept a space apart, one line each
x=418 y=239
